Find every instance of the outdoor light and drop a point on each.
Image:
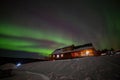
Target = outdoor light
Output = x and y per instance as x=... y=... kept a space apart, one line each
x=18 y=64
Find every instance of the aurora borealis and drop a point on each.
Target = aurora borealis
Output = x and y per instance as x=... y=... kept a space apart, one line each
x=13 y=35
x=41 y=27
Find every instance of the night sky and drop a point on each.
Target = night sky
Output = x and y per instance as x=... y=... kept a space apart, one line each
x=41 y=26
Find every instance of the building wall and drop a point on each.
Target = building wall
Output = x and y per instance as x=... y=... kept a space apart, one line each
x=75 y=54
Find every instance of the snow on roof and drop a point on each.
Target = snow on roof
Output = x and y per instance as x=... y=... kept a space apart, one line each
x=72 y=48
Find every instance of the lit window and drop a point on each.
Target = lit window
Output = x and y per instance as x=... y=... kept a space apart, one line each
x=87 y=52
x=53 y=55
x=61 y=55
x=58 y=56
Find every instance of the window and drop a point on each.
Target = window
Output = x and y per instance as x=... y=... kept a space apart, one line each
x=53 y=55
x=58 y=56
x=61 y=55
x=87 y=52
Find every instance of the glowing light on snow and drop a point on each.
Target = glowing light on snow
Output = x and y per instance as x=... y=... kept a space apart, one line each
x=18 y=64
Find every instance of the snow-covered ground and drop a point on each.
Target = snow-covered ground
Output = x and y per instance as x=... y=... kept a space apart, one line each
x=88 y=68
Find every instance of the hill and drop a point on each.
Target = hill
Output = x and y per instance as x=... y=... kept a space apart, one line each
x=88 y=68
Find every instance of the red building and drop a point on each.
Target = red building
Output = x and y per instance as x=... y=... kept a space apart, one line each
x=72 y=51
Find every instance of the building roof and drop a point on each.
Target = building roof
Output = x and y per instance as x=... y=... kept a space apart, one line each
x=73 y=48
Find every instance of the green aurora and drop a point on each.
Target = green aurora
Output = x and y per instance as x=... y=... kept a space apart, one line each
x=112 y=19
x=14 y=44
x=110 y=12
x=21 y=37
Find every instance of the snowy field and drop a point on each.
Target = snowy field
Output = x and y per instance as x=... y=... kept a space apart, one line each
x=88 y=68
